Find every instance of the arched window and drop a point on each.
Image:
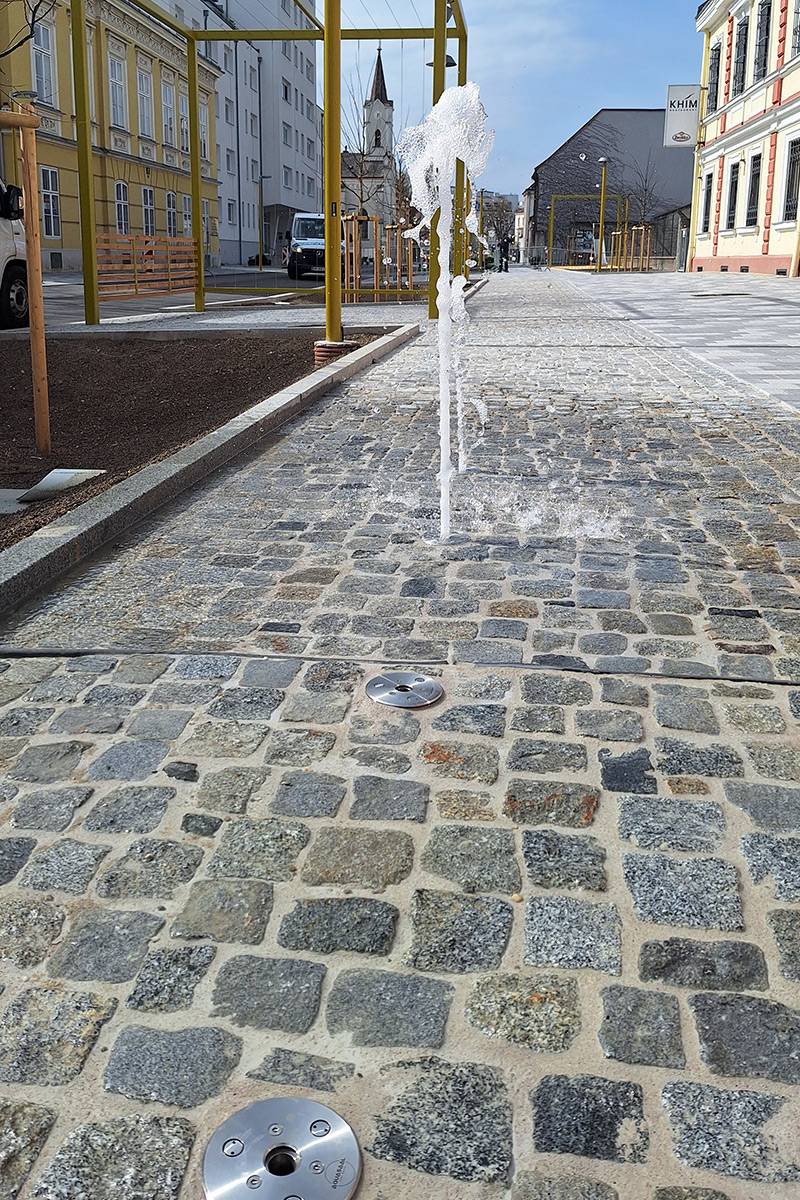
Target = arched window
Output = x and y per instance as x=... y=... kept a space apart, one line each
x=123 y=212
x=377 y=139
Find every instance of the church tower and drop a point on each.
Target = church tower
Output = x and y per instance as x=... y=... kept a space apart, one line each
x=379 y=116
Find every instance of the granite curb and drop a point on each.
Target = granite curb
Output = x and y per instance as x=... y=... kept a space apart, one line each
x=38 y=560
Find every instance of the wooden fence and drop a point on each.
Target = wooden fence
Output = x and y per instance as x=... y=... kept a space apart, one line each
x=151 y=266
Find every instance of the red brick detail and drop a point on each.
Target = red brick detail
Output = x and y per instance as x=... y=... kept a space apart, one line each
x=773 y=148
x=723 y=123
x=777 y=92
x=783 y=23
x=728 y=63
x=718 y=204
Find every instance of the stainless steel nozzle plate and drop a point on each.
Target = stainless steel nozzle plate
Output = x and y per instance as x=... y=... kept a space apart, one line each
x=285 y=1149
x=404 y=689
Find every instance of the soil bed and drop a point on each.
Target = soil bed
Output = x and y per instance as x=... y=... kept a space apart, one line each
x=117 y=404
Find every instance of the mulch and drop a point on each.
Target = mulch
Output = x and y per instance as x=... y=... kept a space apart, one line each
x=118 y=404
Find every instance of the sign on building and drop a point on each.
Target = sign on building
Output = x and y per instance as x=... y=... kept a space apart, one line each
x=682 y=121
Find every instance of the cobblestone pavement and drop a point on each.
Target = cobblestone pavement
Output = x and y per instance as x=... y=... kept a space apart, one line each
x=538 y=942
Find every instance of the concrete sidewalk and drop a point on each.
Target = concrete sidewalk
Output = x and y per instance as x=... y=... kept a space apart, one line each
x=540 y=941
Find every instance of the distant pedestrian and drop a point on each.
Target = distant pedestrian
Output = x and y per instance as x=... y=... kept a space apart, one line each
x=503 y=251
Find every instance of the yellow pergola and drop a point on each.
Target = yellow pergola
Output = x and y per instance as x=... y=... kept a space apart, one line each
x=331 y=34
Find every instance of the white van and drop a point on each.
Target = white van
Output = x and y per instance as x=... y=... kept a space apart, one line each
x=307 y=247
x=13 y=272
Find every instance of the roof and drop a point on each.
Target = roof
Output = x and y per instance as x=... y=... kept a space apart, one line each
x=378 y=91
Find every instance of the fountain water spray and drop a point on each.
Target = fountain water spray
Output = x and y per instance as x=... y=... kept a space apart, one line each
x=454 y=129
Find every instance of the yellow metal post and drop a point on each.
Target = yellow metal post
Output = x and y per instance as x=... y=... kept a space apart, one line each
x=467 y=211
x=460 y=213
x=602 y=218
x=333 y=169
x=83 y=134
x=550 y=232
x=480 y=232
x=196 y=175
x=439 y=58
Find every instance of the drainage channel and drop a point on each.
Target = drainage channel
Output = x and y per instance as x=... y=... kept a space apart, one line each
x=283 y=1149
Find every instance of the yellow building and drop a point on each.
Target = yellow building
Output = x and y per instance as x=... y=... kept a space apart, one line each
x=745 y=214
x=140 y=127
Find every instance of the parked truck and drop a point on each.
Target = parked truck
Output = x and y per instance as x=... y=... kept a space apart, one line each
x=13 y=270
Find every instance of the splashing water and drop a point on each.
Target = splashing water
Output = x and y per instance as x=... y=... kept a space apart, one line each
x=454 y=129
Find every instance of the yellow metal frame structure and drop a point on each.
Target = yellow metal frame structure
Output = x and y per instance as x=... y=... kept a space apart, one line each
x=580 y=196
x=331 y=34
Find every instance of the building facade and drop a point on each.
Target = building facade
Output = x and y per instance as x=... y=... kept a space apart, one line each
x=648 y=178
x=745 y=214
x=140 y=128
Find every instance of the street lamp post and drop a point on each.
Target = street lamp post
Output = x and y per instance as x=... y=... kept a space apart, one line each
x=604 y=163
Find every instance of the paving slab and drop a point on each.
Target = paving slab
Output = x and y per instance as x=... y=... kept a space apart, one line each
x=563 y=901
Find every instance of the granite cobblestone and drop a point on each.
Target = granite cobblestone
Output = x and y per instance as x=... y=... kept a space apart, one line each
x=214 y=850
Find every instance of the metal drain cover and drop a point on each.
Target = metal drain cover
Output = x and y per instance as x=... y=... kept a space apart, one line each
x=287 y=1149
x=404 y=689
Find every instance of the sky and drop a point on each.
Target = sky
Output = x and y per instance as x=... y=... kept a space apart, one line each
x=544 y=67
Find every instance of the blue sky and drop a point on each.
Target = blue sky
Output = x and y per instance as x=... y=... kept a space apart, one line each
x=544 y=66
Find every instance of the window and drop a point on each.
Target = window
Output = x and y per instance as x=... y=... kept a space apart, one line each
x=286 y=6
x=286 y=91
x=285 y=50
x=297 y=57
x=253 y=124
x=172 y=215
x=740 y=57
x=183 y=114
x=230 y=111
x=187 y=215
x=761 y=62
x=116 y=86
x=180 y=15
x=231 y=212
x=377 y=139
x=310 y=148
x=310 y=187
x=253 y=80
x=168 y=113
x=51 y=205
x=709 y=187
x=309 y=70
x=230 y=161
x=296 y=140
x=254 y=168
x=751 y=217
x=796 y=31
x=203 y=130
x=286 y=134
x=144 y=83
x=148 y=212
x=206 y=214
x=309 y=110
x=713 y=79
x=227 y=58
x=287 y=177
x=122 y=209
x=733 y=196
x=43 y=63
x=792 y=181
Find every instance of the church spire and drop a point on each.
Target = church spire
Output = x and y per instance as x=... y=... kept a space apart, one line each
x=379 y=83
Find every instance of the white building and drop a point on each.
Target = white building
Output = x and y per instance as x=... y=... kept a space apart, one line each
x=268 y=123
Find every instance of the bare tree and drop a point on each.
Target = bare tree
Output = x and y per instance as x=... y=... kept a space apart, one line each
x=575 y=170
x=646 y=189
x=30 y=11
x=498 y=216
x=364 y=177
